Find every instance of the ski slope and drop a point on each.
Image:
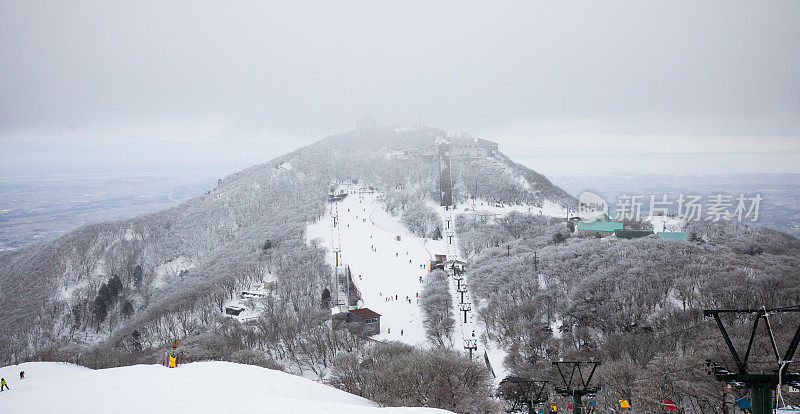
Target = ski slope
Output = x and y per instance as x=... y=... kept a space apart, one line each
x=200 y=387
x=366 y=235
x=385 y=270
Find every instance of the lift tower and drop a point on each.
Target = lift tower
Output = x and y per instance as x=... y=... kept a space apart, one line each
x=576 y=386
x=462 y=289
x=760 y=384
x=465 y=307
x=522 y=392
x=470 y=344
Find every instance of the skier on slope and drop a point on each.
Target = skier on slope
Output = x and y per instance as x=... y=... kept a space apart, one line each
x=22 y=375
x=3 y=384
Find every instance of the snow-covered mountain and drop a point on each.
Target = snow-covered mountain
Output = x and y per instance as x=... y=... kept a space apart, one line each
x=200 y=387
x=265 y=241
x=134 y=285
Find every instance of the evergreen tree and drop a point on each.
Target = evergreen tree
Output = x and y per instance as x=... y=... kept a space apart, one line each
x=326 y=298
x=104 y=294
x=137 y=275
x=99 y=311
x=114 y=287
x=127 y=308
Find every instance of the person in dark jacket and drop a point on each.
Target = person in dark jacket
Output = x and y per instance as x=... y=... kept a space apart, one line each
x=22 y=375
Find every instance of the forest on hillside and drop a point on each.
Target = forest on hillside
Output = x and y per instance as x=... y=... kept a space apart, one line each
x=56 y=295
x=637 y=305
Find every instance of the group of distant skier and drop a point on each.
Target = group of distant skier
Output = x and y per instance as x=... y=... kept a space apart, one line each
x=4 y=384
x=397 y=254
x=397 y=297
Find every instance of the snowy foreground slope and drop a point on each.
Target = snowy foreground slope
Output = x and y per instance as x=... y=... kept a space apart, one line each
x=200 y=387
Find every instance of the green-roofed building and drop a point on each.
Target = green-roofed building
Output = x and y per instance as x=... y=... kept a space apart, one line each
x=603 y=228
x=632 y=234
x=674 y=235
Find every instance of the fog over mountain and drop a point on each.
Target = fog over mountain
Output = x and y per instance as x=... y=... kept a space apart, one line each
x=122 y=84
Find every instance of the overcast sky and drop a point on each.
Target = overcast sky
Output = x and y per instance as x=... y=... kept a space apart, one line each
x=566 y=87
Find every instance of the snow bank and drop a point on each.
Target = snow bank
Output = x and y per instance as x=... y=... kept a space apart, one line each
x=171 y=269
x=201 y=387
x=479 y=205
x=665 y=223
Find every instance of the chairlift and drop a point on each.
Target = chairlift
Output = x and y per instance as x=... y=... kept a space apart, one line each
x=672 y=401
x=744 y=403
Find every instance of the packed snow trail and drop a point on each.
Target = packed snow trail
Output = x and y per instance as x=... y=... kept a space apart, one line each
x=201 y=387
x=385 y=270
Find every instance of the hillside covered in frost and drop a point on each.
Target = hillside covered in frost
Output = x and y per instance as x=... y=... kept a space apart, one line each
x=133 y=285
x=117 y=293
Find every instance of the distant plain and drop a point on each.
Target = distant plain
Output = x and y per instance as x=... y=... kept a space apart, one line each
x=39 y=208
